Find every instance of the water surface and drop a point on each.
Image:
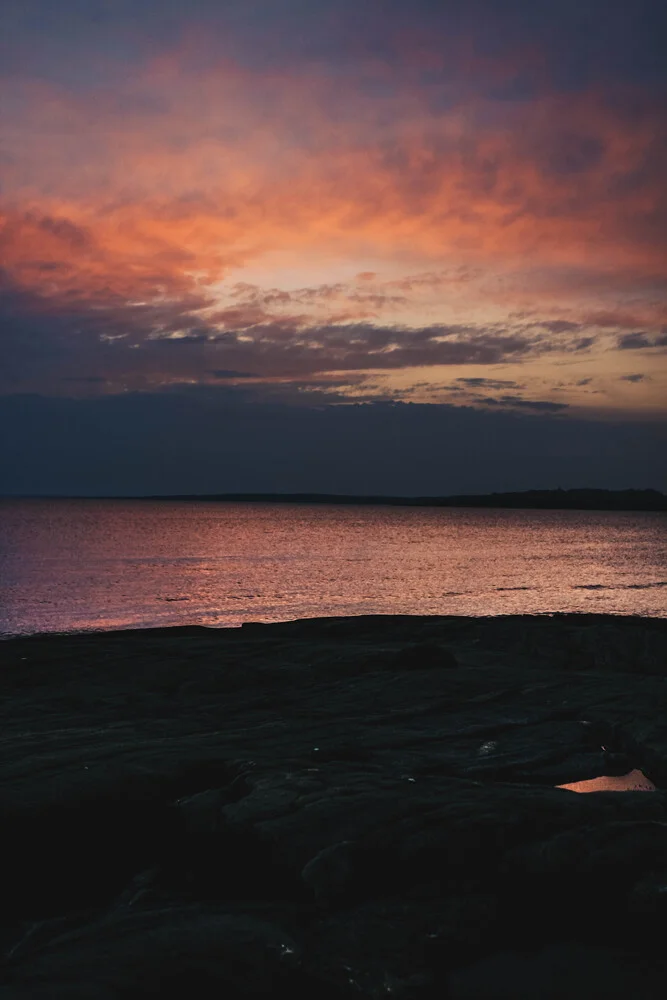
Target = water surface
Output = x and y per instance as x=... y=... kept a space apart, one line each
x=633 y=781
x=72 y=565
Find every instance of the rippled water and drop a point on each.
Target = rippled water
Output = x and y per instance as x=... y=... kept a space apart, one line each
x=108 y=564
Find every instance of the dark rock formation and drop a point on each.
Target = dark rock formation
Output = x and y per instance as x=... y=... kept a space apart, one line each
x=335 y=808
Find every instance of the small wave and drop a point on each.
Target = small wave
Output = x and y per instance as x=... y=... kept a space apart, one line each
x=619 y=586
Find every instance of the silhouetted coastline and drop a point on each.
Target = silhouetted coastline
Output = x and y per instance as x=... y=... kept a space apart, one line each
x=574 y=499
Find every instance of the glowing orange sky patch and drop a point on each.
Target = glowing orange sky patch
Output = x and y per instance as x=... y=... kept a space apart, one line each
x=170 y=187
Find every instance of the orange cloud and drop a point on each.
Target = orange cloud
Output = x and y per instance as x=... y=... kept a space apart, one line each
x=206 y=170
x=135 y=203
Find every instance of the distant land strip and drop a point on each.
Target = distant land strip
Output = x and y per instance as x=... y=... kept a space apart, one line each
x=577 y=499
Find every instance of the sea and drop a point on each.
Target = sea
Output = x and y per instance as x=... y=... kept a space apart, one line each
x=78 y=565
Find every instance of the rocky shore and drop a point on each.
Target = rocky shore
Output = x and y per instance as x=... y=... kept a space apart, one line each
x=334 y=808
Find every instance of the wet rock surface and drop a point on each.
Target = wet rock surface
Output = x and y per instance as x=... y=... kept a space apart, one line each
x=337 y=808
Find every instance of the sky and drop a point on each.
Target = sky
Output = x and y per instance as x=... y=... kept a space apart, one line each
x=332 y=245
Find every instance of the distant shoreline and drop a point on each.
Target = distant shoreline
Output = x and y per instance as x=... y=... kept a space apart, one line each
x=575 y=499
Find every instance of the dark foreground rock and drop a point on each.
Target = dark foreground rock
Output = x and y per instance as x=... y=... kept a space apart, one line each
x=335 y=808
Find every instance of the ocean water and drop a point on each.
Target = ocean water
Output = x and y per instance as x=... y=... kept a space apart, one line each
x=70 y=565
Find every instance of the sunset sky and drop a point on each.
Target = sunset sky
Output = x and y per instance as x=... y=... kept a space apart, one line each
x=341 y=245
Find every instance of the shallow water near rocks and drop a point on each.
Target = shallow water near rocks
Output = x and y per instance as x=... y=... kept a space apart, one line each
x=634 y=781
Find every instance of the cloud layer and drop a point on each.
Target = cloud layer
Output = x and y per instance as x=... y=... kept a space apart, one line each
x=206 y=440
x=326 y=202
